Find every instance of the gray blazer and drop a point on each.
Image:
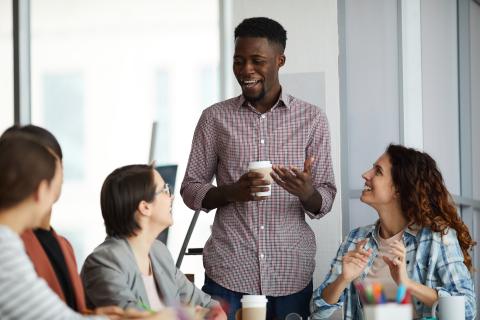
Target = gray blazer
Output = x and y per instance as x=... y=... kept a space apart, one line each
x=111 y=276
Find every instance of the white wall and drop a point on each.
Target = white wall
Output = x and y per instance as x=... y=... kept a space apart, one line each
x=475 y=96
x=372 y=91
x=312 y=50
x=440 y=87
x=118 y=49
x=6 y=65
x=475 y=103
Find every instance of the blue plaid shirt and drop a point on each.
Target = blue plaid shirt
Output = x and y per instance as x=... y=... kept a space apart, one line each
x=432 y=260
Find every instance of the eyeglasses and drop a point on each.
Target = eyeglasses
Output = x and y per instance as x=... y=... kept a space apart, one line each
x=166 y=190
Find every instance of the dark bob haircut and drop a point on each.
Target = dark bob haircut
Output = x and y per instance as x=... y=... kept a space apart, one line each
x=260 y=27
x=122 y=192
x=24 y=164
x=37 y=134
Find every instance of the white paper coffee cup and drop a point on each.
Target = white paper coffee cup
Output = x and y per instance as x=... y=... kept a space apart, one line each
x=264 y=167
x=254 y=307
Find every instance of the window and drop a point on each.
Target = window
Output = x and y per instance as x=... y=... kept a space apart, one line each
x=163 y=118
x=6 y=65
x=102 y=72
x=63 y=102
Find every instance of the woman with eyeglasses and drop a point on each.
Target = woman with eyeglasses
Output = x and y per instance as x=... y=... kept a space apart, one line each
x=131 y=268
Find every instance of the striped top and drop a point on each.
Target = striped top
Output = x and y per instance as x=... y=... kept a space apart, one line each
x=23 y=295
x=263 y=247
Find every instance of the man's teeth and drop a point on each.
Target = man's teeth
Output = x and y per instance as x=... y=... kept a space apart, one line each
x=249 y=82
x=367 y=188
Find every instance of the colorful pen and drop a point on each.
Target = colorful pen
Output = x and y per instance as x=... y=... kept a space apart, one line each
x=401 y=291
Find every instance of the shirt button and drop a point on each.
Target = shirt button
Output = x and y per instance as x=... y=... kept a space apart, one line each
x=262 y=227
x=262 y=256
x=262 y=141
x=408 y=261
x=263 y=116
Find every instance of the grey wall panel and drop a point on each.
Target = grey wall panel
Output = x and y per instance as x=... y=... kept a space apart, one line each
x=6 y=65
x=440 y=87
x=361 y=214
x=476 y=254
x=372 y=82
x=475 y=95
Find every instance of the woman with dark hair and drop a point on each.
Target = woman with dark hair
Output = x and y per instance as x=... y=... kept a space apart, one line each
x=419 y=240
x=131 y=268
x=51 y=254
x=30 y=180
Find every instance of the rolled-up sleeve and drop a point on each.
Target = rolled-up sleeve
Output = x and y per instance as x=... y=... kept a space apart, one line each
x=322 y=169
x=201 y=164
x=319 y=307
x=455 y=277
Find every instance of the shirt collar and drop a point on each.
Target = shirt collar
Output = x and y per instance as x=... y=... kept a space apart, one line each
x=283 y=101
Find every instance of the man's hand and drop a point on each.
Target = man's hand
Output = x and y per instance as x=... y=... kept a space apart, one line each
x=240 y=191
x=295 y=181
x=244 y=189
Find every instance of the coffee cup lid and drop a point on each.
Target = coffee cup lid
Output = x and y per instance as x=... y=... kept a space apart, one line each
x=259 y=165
x=248 y=298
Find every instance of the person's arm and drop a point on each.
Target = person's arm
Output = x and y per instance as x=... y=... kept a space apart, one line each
x=187 y=291
x=398 y=271
x=202 y=164
x=240 y=191
x=106 y=283
x=455 y=278
x=454 y=275
x=353 y=264
x=315 y=184
x=332 y=293
x=425 y=294
x=323 y=179
x=299 y=183
x=28 y=296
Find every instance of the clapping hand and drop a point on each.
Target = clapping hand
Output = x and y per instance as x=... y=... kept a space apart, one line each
x=355 y=261
x=397 y=264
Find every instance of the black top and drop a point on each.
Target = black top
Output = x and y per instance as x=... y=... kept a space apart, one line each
x=57 y=259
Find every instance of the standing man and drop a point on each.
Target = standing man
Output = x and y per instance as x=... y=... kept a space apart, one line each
x=261 y=245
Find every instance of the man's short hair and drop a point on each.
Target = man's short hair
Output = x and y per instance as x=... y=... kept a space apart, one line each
x=261 y=27
x=122 y=192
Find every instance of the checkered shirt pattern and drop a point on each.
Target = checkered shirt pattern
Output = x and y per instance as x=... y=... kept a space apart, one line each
x=260 y=247
x=432 y=259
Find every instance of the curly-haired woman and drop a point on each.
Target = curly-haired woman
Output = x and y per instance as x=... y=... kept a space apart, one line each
x=419 y=240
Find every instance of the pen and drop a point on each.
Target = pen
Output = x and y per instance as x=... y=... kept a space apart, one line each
x=361 y=292
x=377 y=292
x=145 y=307
x=401 y=292
x=408 y=297
x=369 y=294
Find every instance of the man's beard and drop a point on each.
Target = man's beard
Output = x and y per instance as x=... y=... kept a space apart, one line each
x=256 y=98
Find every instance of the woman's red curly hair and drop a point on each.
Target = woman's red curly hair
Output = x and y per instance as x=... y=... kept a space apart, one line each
x=424 y=199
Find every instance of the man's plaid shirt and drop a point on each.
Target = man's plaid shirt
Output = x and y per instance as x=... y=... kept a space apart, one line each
x=260 y=247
